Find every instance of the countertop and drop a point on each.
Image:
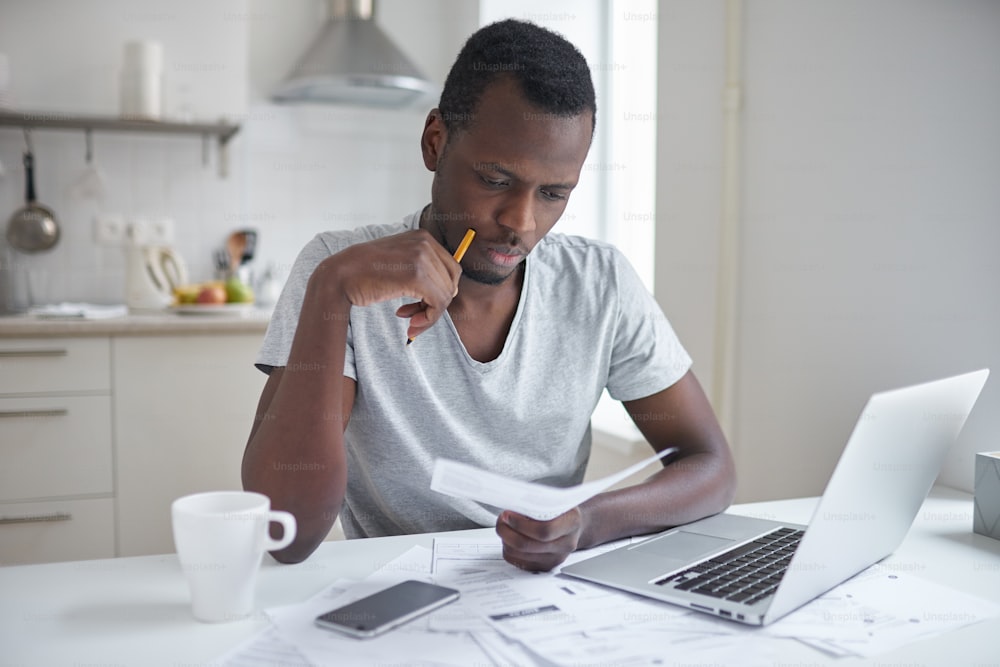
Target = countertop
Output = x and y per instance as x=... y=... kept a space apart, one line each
x=137 y=324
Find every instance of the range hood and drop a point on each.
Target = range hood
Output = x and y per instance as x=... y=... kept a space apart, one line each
x=352 y=61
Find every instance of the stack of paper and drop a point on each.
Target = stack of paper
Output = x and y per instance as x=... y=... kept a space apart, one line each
x=510 y=617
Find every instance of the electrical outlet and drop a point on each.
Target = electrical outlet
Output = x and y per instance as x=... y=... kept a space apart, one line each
x=150 y=231
x=137 y=231
x=161 y=231
x=109 y=230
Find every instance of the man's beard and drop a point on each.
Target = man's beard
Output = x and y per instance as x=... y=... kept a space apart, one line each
x=481 y=276
x=487 y=277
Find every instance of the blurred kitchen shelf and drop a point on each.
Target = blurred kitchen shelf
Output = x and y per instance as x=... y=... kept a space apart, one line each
x=53 y=120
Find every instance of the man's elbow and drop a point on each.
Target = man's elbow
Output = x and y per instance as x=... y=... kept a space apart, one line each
x=297 y=551
x=726 y=484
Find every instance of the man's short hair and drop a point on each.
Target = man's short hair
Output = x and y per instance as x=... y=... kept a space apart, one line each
x=552 y=73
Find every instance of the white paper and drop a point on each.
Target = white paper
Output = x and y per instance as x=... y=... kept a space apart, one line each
x=528 y=498
x=562 y=621
x=630 y=647
x=506 y=616
x=265 y=649
x=86 y=311
x=879 y=610
x=418 y=640
x=567 y=622
x=466 y=550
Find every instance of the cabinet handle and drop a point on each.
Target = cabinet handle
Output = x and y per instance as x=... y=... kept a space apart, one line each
x=35 y=518
x=14 y=354
x=53 y=412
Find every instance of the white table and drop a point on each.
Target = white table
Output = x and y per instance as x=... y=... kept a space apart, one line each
x=136 y=611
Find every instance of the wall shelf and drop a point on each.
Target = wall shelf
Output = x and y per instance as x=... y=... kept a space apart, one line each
x=222 y=132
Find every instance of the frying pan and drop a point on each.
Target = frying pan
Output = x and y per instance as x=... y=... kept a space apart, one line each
x=33 y=227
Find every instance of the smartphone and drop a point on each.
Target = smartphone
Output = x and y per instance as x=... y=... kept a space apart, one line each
x=387 y=609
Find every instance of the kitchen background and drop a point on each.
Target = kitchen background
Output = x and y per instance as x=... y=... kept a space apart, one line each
x=865 y=176
x=292 y=171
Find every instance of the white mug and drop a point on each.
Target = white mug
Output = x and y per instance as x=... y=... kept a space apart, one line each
x=221 y=537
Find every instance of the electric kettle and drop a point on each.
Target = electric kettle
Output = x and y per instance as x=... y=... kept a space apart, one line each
x=151 y=275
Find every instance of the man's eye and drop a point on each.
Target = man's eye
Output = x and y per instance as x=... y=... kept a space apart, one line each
x=553 y=196
x=492 y=182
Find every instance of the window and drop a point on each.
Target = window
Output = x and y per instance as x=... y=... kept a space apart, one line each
x=615 y=200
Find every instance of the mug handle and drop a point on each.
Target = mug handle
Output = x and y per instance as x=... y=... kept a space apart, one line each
x=287 y=521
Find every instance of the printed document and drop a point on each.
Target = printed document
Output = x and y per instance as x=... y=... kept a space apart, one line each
x=537 y=501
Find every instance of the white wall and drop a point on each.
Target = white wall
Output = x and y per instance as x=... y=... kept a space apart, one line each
x=76 y=64
x=869 y=219
x=689 y=172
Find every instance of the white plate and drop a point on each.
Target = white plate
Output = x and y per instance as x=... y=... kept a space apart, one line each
x=212 y=308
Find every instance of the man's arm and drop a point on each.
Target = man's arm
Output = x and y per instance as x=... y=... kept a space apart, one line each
x=295 y=453
x=317 y=486
x=699 y=482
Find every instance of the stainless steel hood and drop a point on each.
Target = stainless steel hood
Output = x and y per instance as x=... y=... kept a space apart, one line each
x=352 y=61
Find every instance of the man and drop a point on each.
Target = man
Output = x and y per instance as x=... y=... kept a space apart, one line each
x=512 y=346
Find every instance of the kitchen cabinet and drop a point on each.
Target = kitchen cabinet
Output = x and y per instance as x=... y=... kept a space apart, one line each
x=184 y=406
x=99 y=433
x=56 y=472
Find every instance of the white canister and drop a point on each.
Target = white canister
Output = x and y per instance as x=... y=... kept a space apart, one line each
x=142 y=81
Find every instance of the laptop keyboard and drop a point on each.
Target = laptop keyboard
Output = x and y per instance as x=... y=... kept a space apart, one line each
x=748 y=573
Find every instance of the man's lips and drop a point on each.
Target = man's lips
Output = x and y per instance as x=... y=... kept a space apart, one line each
x=504 y=257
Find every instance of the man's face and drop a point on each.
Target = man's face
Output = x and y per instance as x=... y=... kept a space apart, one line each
x=508 y=176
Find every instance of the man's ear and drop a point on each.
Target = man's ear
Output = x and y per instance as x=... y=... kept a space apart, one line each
x=433 y=139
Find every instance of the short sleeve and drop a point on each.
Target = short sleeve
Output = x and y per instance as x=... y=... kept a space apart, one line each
x=646 y=355
x=350 y=369
x=285 y=317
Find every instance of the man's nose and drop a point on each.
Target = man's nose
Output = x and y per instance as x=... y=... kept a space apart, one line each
x=518 y=213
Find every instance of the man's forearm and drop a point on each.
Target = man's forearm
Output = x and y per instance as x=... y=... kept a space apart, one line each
x=691 y=488
x=295 y=454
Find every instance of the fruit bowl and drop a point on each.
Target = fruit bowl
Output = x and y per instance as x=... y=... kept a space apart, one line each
x=212 y=308
x=213 y=298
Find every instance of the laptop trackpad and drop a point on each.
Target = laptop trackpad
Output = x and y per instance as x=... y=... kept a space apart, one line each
x=684 y=545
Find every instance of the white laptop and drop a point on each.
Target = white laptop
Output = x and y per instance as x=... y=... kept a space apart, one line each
x=755 y=571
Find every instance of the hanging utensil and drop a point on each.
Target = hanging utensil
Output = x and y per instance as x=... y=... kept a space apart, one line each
x=33 y=227
x=91 y=184
x=236 y=243
x=221 y=259
x=250 y=247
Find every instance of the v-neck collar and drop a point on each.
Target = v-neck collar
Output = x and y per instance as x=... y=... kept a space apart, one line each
x=487 y=366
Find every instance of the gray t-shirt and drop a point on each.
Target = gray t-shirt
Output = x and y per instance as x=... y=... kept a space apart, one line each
x=584 y=322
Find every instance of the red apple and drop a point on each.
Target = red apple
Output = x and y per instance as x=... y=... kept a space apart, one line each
x=212 y=294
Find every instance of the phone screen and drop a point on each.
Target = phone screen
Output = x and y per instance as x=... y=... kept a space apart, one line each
x=387 y=608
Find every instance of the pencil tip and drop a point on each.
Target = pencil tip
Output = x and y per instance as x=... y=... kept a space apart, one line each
x=409 y=340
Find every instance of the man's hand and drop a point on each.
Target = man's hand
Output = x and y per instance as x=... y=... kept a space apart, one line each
x=412 y=264
x=539 y=546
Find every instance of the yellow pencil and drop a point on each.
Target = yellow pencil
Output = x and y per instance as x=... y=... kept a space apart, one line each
x=459 y=254
x=464 y=245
